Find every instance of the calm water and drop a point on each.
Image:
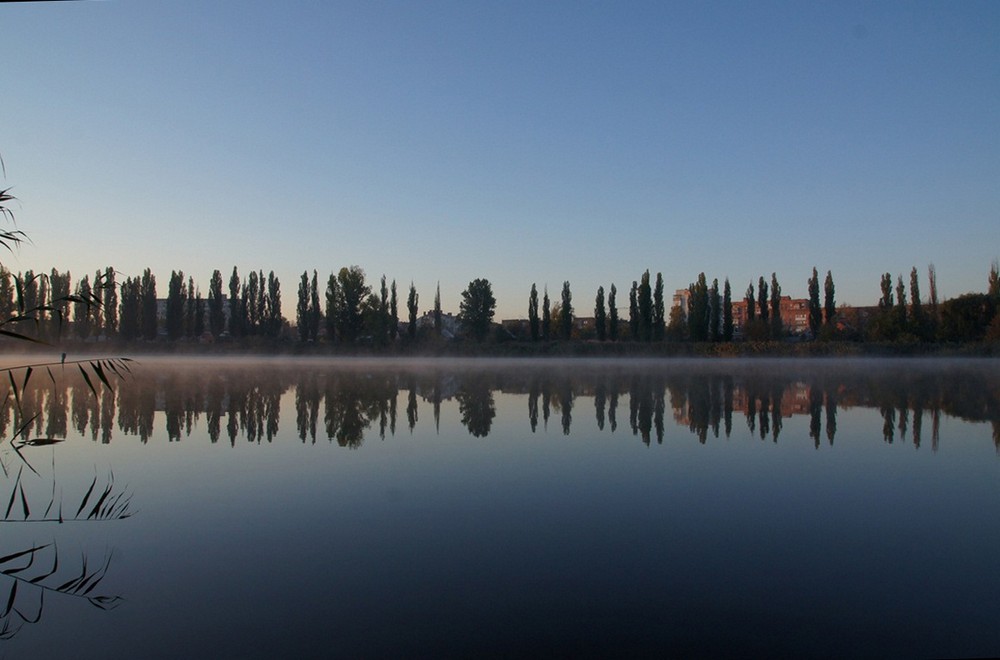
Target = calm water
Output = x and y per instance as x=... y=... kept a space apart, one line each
x=242 y=509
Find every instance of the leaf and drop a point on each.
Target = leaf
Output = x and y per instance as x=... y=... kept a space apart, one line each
x=13 y=494
x=19 y=336
x=10 y=599
x=86 y=497
x=13 y=387
x=16 y=555
x=96 y=366
x=42 y=442
x=55 y=567
x=87 y=379
x=27 y=375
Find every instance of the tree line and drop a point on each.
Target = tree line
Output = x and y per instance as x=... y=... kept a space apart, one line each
x=349 y=309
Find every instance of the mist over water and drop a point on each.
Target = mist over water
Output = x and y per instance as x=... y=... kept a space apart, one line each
x=482 y=506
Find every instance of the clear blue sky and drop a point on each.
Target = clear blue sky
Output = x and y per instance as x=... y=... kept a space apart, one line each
x=520 y=142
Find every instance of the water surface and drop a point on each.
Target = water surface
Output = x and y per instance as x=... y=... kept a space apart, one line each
x=352 y=508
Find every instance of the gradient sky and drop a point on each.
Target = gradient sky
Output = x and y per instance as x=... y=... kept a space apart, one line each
x=520 y=142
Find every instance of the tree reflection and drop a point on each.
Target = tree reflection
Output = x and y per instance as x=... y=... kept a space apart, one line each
x=245 y=405
x=475 y=403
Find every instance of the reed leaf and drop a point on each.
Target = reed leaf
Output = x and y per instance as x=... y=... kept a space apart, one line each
x=10 y=600
x=86 y=497
x=87 y=379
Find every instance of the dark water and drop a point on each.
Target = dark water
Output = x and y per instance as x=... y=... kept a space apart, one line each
x=476 y=508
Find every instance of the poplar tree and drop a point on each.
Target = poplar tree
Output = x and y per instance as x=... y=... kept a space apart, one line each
x=829 y=305
x=216 y=315
x=437 y=311
x=150 y=322
x=175 y=305
x=302 y=307
x=727 y=312
x=900 y=303
x=645 y=301
x=659 y=312
x=533 y=312
x=750 y=300
x=546 y=315
x=714 y=312
x=599 y=315
x=762 y=299
x=96 y=311
x=566 y=312
x=411 y=307
x=916 y=309
x=613 y=313
x=815 y=312
x=190 y=311
x=333 y=306
x=81 y=310
x=633 y=311
x=393 y=312
x=315 y=311
x=236 y=311
x=776 y=329
x=110 y=300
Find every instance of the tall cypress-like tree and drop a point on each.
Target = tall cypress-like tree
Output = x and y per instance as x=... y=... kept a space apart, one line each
x=829 y=304
x=273 y=306
x=698 y=309
x=96 y=311
x=613 y=313
x=751 y=303
x=302 y=307
x=236 y=311
x=600 y=320
x=333 y=305
x=533 y=312
x=315 y=310
x=81 y=310
x=437 y=311
x=886 y=303
x=815 y=312
x=932 y=292
x=411 y=307
x=900 y=303
x=175 y=305
x=762 y=299
x=110 y=301
x=917 y=320
x=659 y=311
x=727 y=312
x=566 y=312
x=714 y=312
x=393 y=312
x=546 y=315
x=216 y=315
x=645 y=301
x=190 y=309
x=131 y=310
x=776 y=329
x=150 y=322
x=633 y=311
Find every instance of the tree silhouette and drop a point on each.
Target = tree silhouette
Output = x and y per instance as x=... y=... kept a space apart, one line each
x=477 y=308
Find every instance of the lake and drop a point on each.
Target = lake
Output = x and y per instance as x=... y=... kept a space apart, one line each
x=313 y=508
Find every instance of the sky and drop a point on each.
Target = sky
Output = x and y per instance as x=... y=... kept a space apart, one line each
x=521 y=142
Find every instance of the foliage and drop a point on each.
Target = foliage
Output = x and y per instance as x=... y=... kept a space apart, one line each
x=533 y=312
x=411 y=308
x=613 y=313
x=477 y=308
x=600 y=318
x=566 y=317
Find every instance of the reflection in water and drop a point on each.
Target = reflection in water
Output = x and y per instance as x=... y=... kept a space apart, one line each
x=245 y=404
